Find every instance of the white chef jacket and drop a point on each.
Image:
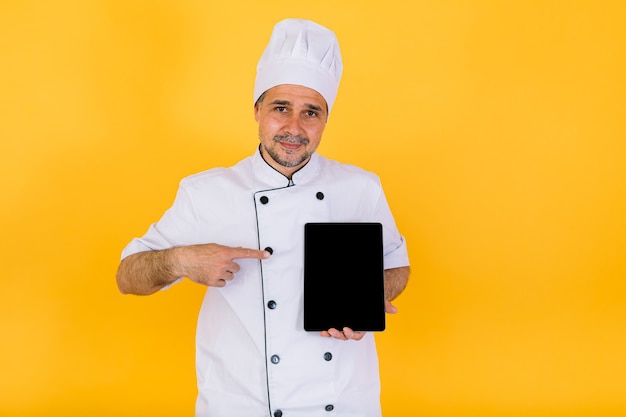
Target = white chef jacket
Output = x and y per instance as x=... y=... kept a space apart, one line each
x=253 y=357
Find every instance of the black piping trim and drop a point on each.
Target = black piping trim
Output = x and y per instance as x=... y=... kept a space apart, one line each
x=258 y=237
x=290 y=180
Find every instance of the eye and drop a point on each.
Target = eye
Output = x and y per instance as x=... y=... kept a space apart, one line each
x=281 y=109
x=311 y=113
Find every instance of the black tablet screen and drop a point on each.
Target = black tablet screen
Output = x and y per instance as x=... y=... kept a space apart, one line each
x=343 y=276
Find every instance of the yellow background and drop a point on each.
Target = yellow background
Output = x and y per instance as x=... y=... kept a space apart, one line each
x=498 y=129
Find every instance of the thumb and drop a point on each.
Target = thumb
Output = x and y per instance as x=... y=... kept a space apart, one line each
x=390 y=308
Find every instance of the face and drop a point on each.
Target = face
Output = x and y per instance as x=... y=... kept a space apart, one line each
x=291 y=121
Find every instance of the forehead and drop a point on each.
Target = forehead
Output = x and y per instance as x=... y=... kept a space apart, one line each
x=295 y=94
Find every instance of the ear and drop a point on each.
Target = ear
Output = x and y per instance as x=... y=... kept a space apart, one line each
x=257 y=112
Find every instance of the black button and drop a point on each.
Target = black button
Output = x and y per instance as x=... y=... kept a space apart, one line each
x=278 y=413
x=271 y=304
x=275 y=359
x=328 y=356
x=319 y=195
x=264 y=200
x=329 y=407
x=270 y=250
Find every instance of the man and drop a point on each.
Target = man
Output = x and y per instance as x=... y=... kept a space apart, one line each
x=239 y=231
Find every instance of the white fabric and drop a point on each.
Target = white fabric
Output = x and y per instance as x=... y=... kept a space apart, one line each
x=304 y=53
x=237 y=333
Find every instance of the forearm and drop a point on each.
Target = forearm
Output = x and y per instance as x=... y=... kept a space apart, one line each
x=395 y=281
x=144 y=273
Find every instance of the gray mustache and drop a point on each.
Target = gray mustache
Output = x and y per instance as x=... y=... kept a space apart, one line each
x=291 y=139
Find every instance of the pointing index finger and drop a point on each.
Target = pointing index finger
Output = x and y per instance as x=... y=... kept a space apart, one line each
x=247 y=253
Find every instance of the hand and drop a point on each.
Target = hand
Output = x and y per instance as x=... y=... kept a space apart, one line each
x=390 y=308
x=212 y=264
x=349 y=334
x=346 y=334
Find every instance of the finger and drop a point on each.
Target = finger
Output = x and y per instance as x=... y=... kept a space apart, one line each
x=233 y=267
x=247 y=253
x=351 y=334
x=390 y=308
x=337 y=334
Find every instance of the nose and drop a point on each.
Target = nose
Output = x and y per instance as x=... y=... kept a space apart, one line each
x=293 y=125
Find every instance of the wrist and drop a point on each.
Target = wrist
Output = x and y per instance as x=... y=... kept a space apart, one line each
x=173 y=263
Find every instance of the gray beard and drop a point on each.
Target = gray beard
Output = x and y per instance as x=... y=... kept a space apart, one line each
x=288 y=163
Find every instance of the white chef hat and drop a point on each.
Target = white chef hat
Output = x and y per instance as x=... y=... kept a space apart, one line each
x=304 y=53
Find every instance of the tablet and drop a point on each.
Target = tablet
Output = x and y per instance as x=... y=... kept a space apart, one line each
x=343 y=276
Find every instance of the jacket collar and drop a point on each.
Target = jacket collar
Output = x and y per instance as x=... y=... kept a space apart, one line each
x=274 y=179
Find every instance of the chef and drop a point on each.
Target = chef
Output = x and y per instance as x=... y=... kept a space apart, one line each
x=240 y=232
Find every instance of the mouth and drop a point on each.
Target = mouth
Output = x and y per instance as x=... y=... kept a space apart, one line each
x=291 y=143
x=290 y=146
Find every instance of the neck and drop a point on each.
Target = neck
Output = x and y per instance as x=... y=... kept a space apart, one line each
x=286 y=171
